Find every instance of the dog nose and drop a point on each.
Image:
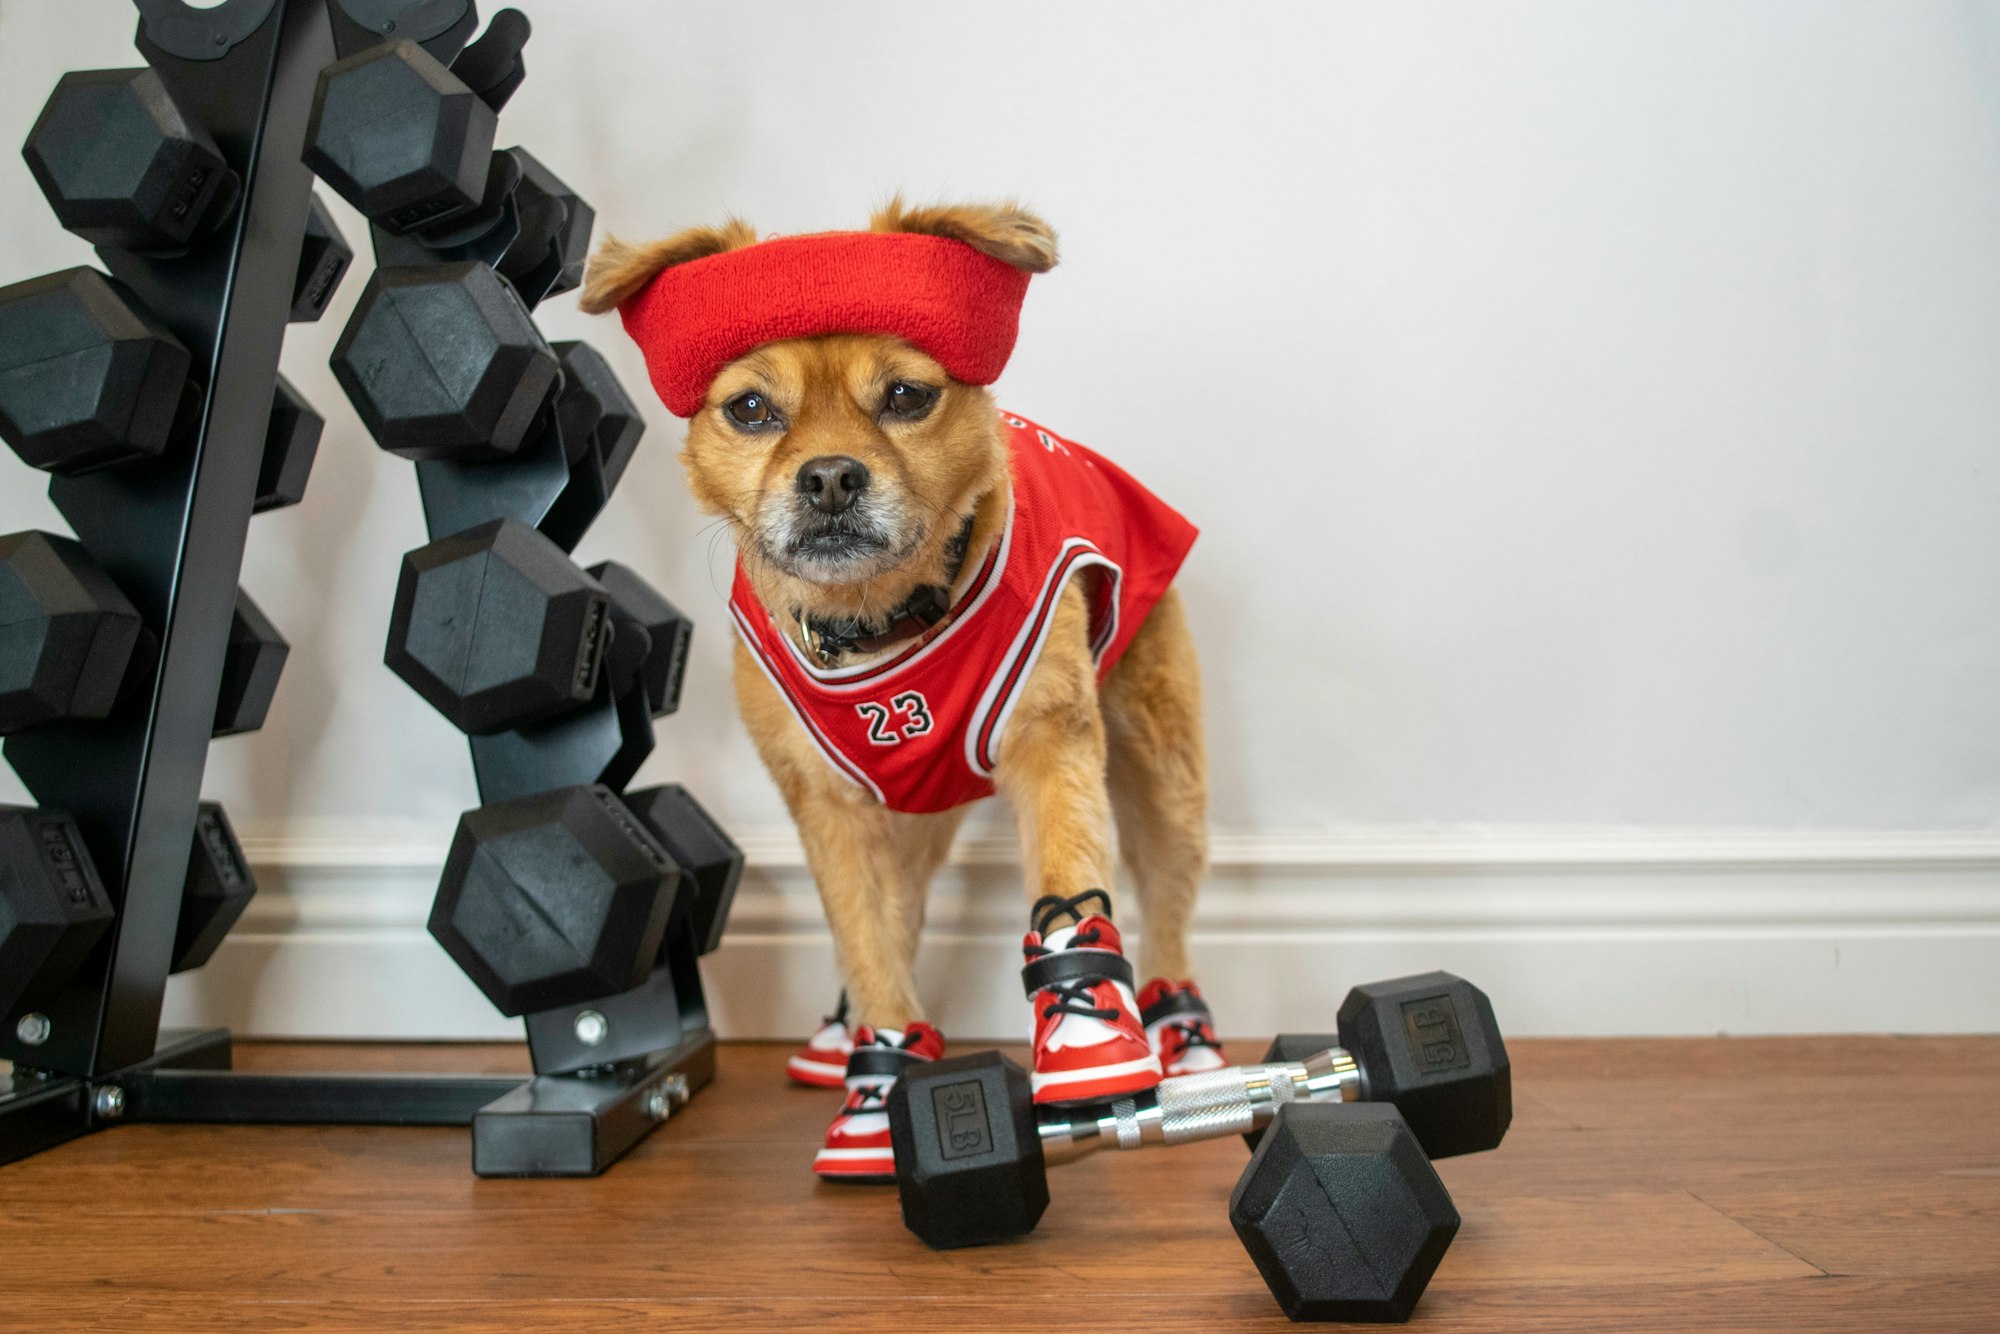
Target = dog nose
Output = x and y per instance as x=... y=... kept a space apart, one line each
x=831 y=482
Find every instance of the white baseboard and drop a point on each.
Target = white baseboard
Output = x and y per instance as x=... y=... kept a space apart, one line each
x=1571 y=933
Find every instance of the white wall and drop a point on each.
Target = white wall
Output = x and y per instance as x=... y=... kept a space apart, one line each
x=1590 y=411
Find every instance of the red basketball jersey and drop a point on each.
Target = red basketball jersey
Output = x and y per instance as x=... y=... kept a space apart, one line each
x=920 y=728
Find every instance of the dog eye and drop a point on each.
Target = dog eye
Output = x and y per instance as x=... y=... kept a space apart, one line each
x=751 y=410
x=908 y=401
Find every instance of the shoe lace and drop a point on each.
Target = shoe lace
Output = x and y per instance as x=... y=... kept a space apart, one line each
x=875 y=1097
x=1051 y=906
x=1074 y=997
x=1194 y=1033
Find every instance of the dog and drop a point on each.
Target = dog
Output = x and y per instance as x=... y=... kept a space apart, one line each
x=937 y=601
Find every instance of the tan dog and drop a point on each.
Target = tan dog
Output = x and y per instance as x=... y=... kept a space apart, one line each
x=789 y=417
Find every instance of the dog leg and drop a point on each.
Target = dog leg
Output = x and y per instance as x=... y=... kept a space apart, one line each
x=922 y=843
x=1051 y=763
x=1158 y=776
x=850 y=848
x=1088 y=1039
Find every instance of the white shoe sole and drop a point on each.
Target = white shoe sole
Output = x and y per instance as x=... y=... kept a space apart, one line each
x=816 y=1070
x=1090 y=1074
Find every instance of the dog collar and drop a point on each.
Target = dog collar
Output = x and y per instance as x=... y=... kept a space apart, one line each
x=922 y=611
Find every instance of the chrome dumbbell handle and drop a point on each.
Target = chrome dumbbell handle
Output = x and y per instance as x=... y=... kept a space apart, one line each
x=1208 y=1105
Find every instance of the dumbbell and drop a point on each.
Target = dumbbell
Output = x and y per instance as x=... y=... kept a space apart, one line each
x=67 y=634
x=1429 y=1044
x=709 y=859
x=219 y=887
x=1370 y=1218
x=252 y=665
x=554 y=899
x=599 y=409
x=600 y=428
x=533 y=230
x=649 y=645
x=88 y=378
x=53 y=907
x=497 y=628
x=395 y=134
x=291 y=443
x=124 y=168
x=323 y=260
x=444 y=362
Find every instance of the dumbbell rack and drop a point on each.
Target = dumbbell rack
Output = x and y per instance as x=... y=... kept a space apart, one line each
x=171 y=532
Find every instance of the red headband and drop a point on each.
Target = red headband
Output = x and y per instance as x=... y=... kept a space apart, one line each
x=957 y=304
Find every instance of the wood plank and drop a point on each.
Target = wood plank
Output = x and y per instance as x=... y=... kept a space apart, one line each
x=1645 y=1185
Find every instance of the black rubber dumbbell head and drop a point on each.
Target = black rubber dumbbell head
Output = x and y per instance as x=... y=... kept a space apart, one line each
x=556 y=224
x=395 y=134
x=711 y=863
x=969 y=1166
x=443 y=362
x=323 y=261
x=1431 y=1045
x=251 y=669
x=219 y=887
x=88 y=378
x=644 y=616
x=1463 y=1101
x=553 y=899
x=67 y=633
x=615 y=423
x=1342 y=1213
x=497 y=629
x=123 y=167
x=291 y=443
x=53 y=908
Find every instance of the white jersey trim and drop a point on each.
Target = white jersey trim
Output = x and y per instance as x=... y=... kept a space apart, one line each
x=1076 y=553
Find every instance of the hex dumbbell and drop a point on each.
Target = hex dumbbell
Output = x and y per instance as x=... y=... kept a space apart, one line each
x=53 y=908
x=123 y=167
x=219 y=887
x=398 y=136
x=710 y=862
x=972 y=1150
x=498 y=629
x=67 y=634
x=88 y=378
x=444 y=362
x=554 y=899
x=1429 y=1044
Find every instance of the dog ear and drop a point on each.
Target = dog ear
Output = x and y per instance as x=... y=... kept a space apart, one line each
x=619 y=268
x=1007 y=231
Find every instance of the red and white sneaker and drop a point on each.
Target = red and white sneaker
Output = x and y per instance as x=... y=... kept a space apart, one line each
x=857 y=1144
x=822 y=1062
x=1179 y=1027
x=1088 y=1040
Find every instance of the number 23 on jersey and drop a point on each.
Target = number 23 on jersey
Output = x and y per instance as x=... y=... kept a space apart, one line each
x=905 y=716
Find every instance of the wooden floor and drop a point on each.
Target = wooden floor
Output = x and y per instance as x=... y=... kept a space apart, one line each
x=1795 y=1184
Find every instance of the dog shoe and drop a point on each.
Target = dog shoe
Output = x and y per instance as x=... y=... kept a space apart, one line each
x=822 y=1062
x=857 y=1144
x=1179 y=1028
x=1089 y=1043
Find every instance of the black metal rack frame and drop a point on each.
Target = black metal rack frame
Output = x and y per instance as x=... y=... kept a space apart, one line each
x=171 y=532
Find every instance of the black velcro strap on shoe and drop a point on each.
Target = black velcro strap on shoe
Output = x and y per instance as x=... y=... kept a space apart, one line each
x=1072 y=965
x=882 y=1062
x=1171 y=1004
